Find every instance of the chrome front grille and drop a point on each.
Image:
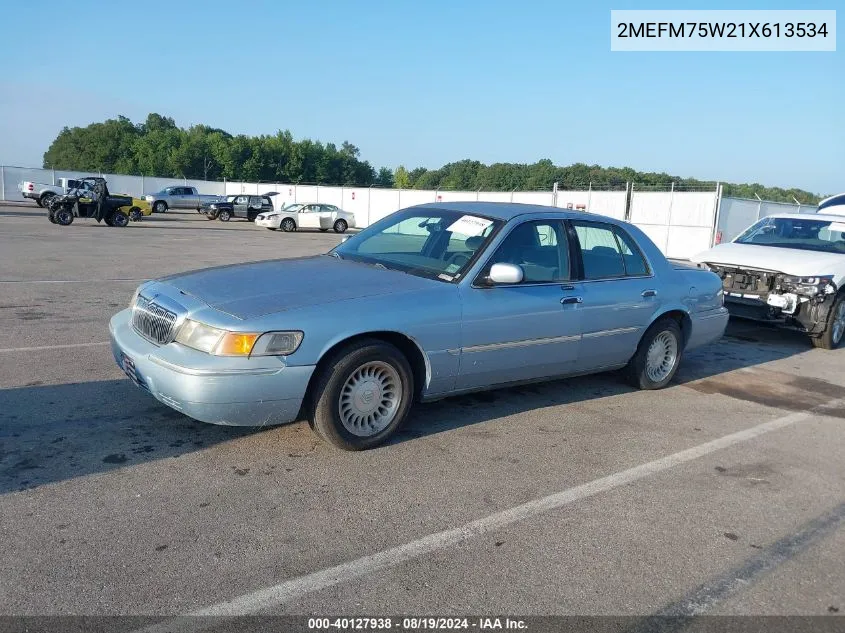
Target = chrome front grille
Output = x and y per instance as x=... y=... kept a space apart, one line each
x=153 y=322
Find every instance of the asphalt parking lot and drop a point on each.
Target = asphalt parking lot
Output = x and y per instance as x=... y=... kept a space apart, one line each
x=723 y=494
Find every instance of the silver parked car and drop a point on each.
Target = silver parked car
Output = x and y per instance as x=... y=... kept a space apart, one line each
x=308 y=216
x=429 y=302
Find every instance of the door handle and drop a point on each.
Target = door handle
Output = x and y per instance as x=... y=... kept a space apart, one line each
x=568 y=300
x=649 y=293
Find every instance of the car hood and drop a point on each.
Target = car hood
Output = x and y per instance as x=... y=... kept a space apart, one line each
x=791 y=261
x=260 y=288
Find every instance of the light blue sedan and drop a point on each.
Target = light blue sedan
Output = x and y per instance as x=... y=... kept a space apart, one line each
x=431 y=301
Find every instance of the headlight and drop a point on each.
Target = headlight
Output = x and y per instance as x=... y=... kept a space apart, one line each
x=199 y=336
x=212 y=340
x=272 y=215
x=134 y=297
x=811 y=286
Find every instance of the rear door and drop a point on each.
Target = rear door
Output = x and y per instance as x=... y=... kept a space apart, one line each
x=619 y=294
x=528 y=330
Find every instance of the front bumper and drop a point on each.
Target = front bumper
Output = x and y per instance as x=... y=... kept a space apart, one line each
x=271 y=223
x=217 y=390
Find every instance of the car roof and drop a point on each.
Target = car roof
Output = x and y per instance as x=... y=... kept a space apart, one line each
x=824 y=217
x=509 y=210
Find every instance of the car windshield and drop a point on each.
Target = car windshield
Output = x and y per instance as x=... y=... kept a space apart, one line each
x=435 y=243
x=293 y=207
x=801 y=233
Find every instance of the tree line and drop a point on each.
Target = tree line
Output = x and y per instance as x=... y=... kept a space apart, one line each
x=158 y=147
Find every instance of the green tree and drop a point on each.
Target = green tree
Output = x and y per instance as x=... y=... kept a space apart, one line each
x=401 y=178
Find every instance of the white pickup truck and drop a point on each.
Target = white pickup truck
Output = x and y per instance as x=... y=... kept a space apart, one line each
x=178 y=198
x=42 y=193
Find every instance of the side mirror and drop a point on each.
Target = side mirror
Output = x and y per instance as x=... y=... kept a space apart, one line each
x=505 y=274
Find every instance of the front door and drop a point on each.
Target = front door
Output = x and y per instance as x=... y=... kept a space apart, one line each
x=619 y=295
x=239 y=206
x=309 y=217
x=527 y=330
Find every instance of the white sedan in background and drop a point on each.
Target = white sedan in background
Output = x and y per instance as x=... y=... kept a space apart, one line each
x=307 y=216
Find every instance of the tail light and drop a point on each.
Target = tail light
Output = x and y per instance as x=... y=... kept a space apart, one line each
x=31 y=187
x=719 y=237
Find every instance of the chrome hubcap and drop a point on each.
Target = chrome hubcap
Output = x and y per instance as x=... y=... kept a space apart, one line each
x=839 y=323
x=370 y=398
x=661 y=357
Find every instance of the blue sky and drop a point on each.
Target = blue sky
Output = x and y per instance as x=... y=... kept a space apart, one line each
x=426 y=83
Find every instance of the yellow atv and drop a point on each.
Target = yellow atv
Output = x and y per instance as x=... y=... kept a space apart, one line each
x=91 y=199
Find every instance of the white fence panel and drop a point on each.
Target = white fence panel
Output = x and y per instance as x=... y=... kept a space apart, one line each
x=305 y=193
x=494 y=196
x=207 y=187
x=383 y=202
x=357 y=200
x=609 y=203
x=693 y=209
x=457 y=196
x=650 y=207
x=545 y=198
x=330 y=195
x=685 y=241
x=413 y=197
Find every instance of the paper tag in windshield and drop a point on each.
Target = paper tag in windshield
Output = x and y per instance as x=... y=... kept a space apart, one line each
x=837 y=226
x=469 y=225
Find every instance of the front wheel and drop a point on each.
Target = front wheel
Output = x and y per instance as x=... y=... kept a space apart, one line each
x=135 y=214
x=51 y=215
x=657 y=357
x=64 y=217
x=224 y=216
x=362 y=395
x=833 y=332
x=44 y=200
x=288 y=225
x=340 y=226
x=160 y=207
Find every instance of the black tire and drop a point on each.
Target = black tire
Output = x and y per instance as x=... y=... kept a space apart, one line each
x=637 y=371
x=160 y=207
x=64 y=217
x=325 y=417
x=44 y=200
x=827 y=340
x=135 y=214
x=51 y=215
x=108 y=221
x=340 y=226
x=224 y=215
x=119 y=219
x=38 y=202
x=288 y=225
x=323 y=230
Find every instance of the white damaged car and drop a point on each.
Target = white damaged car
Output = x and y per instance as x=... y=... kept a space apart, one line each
x=308 y=216
x=788 y=269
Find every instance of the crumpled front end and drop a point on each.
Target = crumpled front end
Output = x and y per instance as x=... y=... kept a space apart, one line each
x=801 y=303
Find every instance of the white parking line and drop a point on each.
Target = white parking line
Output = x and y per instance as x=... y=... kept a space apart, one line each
x=294 y=588
x=46 y=347
x=66 y=281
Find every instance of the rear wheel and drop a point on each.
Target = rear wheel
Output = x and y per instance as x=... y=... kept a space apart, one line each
x=135 y=214
x=44 y=200
x=833 y=333
x=340 y=226
x=119 y=219
x=657 y=357
x=224 y=215
x=288 y=225
x=362 y=395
